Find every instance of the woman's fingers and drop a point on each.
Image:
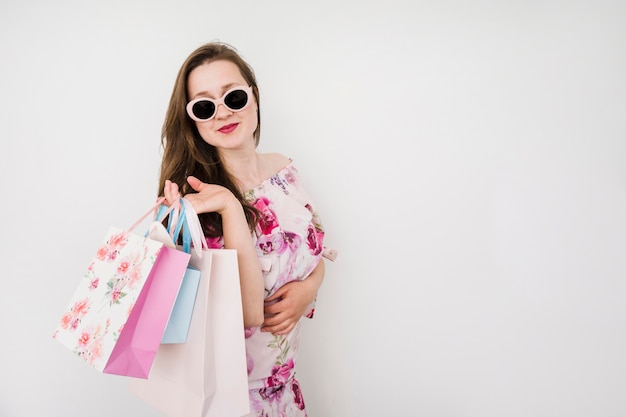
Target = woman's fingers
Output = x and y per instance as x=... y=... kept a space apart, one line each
x=209 y=197
x=171 y=192
x=195 y=183
x=278 y=324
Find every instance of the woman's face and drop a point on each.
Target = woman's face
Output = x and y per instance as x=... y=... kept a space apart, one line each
x=227 y=129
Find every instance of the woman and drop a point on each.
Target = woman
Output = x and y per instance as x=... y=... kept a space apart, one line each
x=251 y=202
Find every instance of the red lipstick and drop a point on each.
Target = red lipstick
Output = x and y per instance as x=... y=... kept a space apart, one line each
x=228 y=128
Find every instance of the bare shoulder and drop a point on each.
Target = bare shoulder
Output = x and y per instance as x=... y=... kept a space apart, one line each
x=274 y=162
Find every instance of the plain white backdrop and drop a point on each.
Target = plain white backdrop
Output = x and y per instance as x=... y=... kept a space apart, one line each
x=468 y=160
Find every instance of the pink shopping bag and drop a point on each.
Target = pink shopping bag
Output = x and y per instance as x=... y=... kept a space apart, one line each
x=117 y=315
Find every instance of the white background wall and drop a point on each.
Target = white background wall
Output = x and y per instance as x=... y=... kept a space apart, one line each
x=468 y=159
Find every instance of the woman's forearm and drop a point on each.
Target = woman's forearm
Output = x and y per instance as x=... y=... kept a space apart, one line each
x=237 y=236
x=315 y=279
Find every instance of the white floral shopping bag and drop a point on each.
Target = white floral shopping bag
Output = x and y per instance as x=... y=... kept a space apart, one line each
x=117 y=315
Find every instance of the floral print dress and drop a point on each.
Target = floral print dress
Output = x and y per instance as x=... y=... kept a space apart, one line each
x=289 y=243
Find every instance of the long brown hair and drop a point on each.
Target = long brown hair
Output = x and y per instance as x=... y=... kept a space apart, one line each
x=185 y=153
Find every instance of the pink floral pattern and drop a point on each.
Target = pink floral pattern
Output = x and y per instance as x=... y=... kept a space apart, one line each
x=96 y=315
x=284 y=400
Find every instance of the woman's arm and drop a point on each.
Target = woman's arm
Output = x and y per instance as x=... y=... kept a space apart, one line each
x=237 y=236
x=291 y=301
x=215 y=198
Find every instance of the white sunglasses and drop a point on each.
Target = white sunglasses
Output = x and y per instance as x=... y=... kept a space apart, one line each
x=203 y=109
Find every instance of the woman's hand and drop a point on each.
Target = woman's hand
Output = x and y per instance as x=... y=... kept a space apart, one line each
x=286 y=306
x=215 y=198
x=290 y=301
x=209 y=197
x=171 y=192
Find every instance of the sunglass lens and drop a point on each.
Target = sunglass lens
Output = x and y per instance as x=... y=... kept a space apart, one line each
x=236 y=100
x=203 y=109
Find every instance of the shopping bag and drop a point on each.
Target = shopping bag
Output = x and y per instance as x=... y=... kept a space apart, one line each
x=177 y=327
x=116 y=316
x=207 y=375
x=179 y=321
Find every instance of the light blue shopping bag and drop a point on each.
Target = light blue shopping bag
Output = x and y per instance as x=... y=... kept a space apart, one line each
x=180 y=317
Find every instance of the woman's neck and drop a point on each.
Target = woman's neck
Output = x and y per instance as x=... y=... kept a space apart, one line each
x=246 y=169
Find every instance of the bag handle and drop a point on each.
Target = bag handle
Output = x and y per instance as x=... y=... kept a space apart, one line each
x=192 y=228
x=175 y=221
x=155 y=209
x=178 y=223
x=187 y=237
x=186 y=220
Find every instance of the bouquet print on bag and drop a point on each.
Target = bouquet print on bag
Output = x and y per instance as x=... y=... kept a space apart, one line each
x=104 y=299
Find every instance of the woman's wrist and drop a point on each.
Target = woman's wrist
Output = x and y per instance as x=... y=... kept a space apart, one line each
x=232 y=206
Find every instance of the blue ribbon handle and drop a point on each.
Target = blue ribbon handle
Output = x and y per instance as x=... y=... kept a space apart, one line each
x=180 y=225
x=186 y=235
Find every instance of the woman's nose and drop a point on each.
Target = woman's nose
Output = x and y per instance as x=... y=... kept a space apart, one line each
x=222 y=111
